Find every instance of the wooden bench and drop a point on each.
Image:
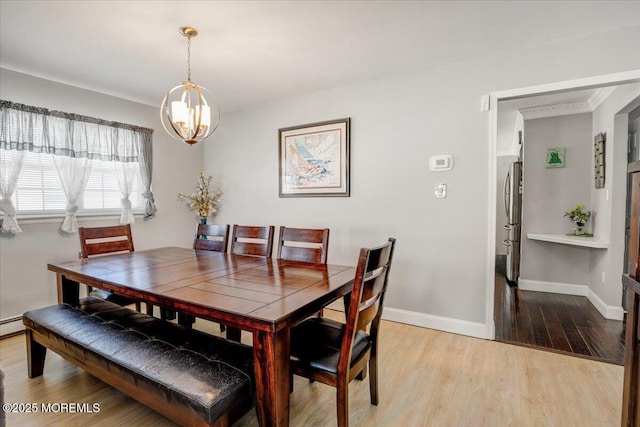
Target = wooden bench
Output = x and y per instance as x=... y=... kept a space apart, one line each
x=193 y=378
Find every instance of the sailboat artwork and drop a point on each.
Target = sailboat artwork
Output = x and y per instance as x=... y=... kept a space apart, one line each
x=314 y=160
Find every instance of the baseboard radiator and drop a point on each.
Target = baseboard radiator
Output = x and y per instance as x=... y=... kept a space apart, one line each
x=11 y=326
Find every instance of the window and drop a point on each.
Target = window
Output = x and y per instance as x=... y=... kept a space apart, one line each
x=62 y=163
x=39 y=191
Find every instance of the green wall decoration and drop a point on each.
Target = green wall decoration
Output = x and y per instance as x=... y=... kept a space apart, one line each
x=555 y=157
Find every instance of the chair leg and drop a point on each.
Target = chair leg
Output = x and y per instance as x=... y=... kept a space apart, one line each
x=138 y=306
x=373 y=378
x=166 y=314
x=342 y=402
x=149 y=308
x=233 y=334
x=186 y=320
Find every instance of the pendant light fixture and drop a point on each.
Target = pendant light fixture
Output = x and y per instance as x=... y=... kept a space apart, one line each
x=185 y=112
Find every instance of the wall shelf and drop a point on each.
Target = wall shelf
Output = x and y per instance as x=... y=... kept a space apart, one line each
x=587 y=242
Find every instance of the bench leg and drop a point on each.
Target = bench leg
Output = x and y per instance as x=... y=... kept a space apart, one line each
x=36 y=354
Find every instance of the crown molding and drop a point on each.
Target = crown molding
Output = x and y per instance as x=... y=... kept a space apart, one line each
x=555 y=110
x=588 y=106
x=600 y=96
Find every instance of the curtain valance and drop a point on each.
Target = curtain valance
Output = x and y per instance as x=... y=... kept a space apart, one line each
x=36 y=129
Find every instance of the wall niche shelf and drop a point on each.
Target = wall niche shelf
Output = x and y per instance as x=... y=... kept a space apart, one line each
x=587 y=242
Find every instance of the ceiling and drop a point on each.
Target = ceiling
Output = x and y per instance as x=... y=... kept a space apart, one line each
x=251 y=53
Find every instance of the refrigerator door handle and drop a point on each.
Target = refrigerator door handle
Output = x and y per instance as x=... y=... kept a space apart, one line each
x=506 y=193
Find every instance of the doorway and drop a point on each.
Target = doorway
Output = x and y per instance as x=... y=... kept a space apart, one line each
x=507 y=305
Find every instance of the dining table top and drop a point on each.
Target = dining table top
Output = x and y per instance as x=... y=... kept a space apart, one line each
x=268 y=293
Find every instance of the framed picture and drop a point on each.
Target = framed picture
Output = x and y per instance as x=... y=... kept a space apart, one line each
x=555 y=157
x=314 y=159
x=598 y=159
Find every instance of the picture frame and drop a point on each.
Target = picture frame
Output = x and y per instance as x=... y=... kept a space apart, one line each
x=555 y=157
x=314 y=159
x=599 y=159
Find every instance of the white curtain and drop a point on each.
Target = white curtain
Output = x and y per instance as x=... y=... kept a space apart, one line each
x=75 y=137
x=10 y=165
x=16 y=133
x=124 y=144
x=145 y=160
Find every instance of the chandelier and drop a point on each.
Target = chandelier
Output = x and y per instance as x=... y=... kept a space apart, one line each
x=185 y=112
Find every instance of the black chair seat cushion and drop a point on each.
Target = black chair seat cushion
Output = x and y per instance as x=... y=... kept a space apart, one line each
x=316 y=343
x=108 y=296
x=206 y=374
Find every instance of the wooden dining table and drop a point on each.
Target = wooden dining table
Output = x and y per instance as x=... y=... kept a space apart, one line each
x=261 y=295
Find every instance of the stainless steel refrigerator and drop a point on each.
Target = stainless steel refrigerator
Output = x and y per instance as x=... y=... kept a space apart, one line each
x=513 y=208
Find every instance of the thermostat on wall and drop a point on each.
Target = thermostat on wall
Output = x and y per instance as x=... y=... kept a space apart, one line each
x=441 y=163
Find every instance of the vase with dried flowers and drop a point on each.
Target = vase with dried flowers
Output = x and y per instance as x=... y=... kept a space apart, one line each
x=205 y=200
x=579 y=217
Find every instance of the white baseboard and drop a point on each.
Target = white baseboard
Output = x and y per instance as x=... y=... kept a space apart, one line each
x=553 y=287
x=446 y=324
x=608 y=311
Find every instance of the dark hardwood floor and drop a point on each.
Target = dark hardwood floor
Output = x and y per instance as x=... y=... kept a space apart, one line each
x=555 y=322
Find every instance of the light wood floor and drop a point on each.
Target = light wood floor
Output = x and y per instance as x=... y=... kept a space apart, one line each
x=428 y=378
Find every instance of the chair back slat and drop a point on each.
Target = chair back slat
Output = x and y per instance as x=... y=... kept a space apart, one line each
x=252 y=240
x=211 y=237
x=103 y=240
x=303 y=244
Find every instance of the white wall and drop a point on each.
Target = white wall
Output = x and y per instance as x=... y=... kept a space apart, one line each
x=439 y=276
x=549 y=193
x=25 y=282
x=611 y=212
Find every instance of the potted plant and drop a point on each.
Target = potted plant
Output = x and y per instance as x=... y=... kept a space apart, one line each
x=579 y=217
x=205 y=200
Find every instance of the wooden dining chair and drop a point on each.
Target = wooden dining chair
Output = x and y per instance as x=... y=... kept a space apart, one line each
x=249 y=240
x=303 y=244
x=335 y=353
x=107 y=240
x=211 y=237
x=252 y=240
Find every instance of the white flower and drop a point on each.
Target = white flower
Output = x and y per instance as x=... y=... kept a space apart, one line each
x=205 y=200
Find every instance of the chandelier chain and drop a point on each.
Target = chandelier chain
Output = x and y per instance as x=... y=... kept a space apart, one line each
x=189 y=58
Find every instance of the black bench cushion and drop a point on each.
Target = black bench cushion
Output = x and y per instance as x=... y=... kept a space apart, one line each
x=207 y=374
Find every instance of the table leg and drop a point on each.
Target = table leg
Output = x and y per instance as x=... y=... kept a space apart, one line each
x=68 y=291
x=271 y=365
